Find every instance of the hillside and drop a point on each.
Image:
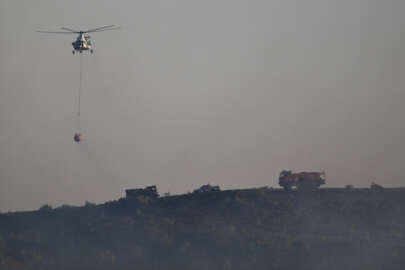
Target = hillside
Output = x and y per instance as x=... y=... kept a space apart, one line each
x=235 y=229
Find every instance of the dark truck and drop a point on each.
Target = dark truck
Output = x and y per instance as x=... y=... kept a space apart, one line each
x=207 y=188
x=150 y=191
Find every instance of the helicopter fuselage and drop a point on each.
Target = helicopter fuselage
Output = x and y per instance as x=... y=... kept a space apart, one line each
x=82 y=43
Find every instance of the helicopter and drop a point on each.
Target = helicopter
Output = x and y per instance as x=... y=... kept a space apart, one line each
x=82 y=42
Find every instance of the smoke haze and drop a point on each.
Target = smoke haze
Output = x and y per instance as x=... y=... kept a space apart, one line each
x=190 y=92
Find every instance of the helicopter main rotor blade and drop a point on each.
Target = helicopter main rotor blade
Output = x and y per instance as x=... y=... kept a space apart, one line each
x=71 y=30
x=116 y=28
x=100 y=28
x=50 y=32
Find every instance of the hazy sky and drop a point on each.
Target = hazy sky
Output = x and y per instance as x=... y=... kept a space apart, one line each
x=189 y=92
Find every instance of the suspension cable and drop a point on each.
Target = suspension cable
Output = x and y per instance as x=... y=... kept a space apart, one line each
x=79 y=93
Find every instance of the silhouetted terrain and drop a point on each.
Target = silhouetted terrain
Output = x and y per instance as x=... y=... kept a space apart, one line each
x=236 y=229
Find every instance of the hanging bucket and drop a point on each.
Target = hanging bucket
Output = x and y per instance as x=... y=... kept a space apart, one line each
x=78 y=137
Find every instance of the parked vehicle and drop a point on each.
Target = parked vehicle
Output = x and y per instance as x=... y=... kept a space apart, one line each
x=301 y=180
x=206 y=188
x=150 y=191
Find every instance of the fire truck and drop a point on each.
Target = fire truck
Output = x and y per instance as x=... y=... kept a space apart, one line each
x=301 y=180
